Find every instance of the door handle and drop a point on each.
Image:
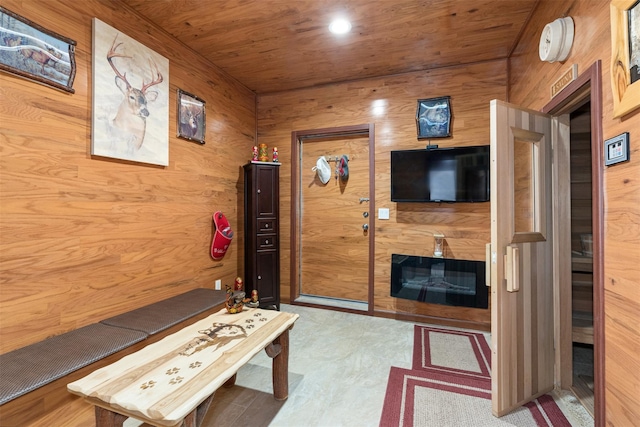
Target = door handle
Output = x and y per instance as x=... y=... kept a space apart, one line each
x=512 y=269
x=487 y=268
x=365 y=227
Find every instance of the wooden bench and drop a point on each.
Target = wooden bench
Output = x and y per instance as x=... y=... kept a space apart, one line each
x=34 y=377
x=172 y=382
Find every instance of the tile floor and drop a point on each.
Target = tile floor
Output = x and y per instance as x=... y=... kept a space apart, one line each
x=338 y=369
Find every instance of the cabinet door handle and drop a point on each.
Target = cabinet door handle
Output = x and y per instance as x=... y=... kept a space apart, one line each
x=266 y=226
x=266 y=242
x=259 y=191
x=259 y=277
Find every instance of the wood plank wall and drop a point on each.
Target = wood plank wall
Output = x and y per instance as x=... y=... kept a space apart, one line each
x=390 y=103
x=84 y=238
x=530 y=80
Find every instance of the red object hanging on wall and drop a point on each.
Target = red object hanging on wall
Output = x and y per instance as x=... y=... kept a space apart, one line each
x=222 y=237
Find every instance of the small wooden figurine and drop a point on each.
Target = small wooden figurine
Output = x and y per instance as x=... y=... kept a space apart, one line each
x=236 y=297
x=253 y=303
x=238 y=286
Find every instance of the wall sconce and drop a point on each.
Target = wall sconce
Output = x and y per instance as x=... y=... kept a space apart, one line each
x=438 y=245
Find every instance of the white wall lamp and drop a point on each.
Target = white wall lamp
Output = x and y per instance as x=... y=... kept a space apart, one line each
x=556 y=40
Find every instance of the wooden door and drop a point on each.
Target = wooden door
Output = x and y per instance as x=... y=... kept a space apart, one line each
x=522 y=315
x=334 y=247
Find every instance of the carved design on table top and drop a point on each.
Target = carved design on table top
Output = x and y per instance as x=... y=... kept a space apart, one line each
x=195 y=365
x=172 y=371
x=148 y=384
x=217 y=335
x=176 y=380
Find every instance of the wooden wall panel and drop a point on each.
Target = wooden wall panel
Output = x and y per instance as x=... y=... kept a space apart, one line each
x=390 y=103
x=529 y=86
x=83 y=238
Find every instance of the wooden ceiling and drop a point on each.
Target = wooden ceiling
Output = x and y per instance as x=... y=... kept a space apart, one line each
x=278 y=45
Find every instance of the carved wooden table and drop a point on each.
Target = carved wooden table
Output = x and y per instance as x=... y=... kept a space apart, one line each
x=172 y=382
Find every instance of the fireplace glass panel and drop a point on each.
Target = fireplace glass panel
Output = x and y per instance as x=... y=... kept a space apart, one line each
x=439 y=281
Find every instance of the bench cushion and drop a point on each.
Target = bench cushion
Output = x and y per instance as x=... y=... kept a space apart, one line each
x=33 y=366
x=156 y=317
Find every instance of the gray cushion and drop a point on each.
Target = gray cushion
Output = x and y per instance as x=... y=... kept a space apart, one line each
x=28 y=368
x=156 y=317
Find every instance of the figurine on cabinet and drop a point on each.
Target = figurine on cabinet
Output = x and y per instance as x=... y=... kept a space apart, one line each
x=262 y=153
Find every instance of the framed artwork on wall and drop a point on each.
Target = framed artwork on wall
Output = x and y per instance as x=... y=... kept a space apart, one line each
x=191 y=117
x=130 y=99
x=35 y=53
x=625 y=56
x=433 y=117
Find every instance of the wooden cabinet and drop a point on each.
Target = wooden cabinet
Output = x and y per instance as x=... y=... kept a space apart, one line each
x=262 y=245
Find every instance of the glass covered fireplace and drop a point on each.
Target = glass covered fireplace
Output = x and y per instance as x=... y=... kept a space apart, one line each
x=439 y=280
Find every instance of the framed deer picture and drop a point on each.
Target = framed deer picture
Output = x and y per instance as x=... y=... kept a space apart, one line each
x=130 y=99
x=33 y=52
x=191 y=117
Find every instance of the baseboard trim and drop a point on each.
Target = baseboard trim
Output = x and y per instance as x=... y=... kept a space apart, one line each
x=442 y=321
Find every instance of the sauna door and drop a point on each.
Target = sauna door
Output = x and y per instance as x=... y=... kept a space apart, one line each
x=522 y=323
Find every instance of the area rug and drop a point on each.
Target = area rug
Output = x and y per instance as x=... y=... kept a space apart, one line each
x=451 y=351
x=450 y=385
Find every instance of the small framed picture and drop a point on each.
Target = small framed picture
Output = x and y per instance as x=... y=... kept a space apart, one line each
x=616 y=149
x=433 y=118
x=35 y=53
x=191 y=117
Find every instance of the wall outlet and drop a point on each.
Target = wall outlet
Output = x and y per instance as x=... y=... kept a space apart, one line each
x=218 y=285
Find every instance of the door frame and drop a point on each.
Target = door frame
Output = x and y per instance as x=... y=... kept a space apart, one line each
x=588 y=84
x=297 y=137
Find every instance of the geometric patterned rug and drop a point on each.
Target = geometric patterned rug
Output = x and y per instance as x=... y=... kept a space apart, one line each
x=434 y=348
x=450 y=385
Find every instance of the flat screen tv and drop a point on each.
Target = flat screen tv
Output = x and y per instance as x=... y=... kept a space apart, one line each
x=458 y=174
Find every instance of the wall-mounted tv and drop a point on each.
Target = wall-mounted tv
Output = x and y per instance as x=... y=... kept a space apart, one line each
x=457 y=174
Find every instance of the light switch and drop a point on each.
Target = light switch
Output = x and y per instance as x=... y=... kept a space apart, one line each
x=383 y=213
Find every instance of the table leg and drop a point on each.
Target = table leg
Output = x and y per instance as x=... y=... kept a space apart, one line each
x=230 y=382
x=107 y=418
x=281 y=367
x=190 y=419
x=202 y=409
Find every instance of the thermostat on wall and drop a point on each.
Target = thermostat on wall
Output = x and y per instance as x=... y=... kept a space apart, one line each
x=616 y=149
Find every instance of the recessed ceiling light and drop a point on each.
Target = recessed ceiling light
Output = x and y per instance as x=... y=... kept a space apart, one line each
x=340 y=26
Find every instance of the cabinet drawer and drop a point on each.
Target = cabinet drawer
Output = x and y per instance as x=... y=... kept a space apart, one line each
x=269 y=225
x=268 y=241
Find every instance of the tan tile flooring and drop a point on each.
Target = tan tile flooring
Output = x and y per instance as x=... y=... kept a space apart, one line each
x=338 y=369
